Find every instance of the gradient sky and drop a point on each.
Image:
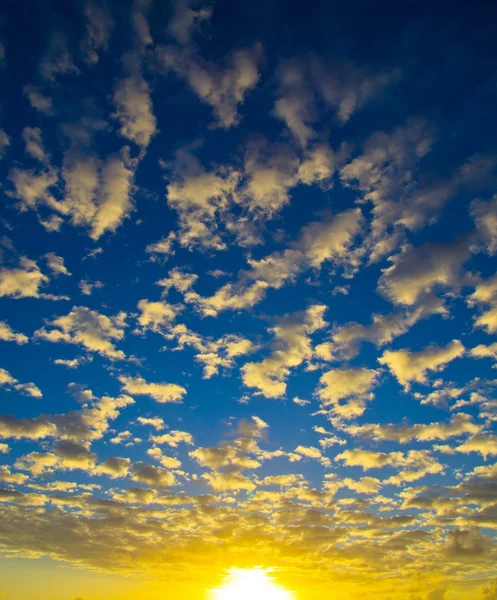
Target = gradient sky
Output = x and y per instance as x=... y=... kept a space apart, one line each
x=248 y=298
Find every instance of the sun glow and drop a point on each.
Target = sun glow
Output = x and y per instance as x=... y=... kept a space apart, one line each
x=250 y=584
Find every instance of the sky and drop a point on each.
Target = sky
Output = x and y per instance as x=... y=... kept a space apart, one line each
x=248 y=299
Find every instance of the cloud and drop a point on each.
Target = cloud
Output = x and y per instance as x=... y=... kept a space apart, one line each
x=32 y=137
x=162 y=248
x=97 y=193
x=485 y=216
x=113 y=467
x=7 y=334
x=347 y=391
x=157 y=316
x=222 y=88
x=32 y=187
x=306 y=83
x=186 y=19
x=160 y=392
x=292 y=347
x=459 y=424
x=87 y=287
x=212 y=354
x=139 y=16
x=173 y=438
x=156 y=422
x=134 y=110
x=37 y=100
x=57 y=59
x=346 y=339
x=413 y=465
x=4 y=142
x=88 y=328
x=81 y=426
x=155 y=477
x=417 y=273
x=23 y=281
x=485 y=444
x=409 y=366
x=56 y=264
x=320 y=242
x=10 y=382
x=99 y=25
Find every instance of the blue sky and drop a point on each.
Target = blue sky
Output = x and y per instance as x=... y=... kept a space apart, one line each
x=248 y=297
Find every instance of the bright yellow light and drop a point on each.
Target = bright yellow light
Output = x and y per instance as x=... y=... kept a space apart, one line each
x=250 y=584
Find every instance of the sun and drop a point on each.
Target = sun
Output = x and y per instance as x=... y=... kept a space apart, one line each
x=250 y=584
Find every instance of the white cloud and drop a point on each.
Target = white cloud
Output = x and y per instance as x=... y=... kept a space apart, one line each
x=347 y=391
x=7 y=334
x=10 y=382
x=292 y=347
x=56 y=264
x=409 y=366
x=24 y=281
x=223 y=88
x=134 y=110
x=160 y=392
x=88 y=328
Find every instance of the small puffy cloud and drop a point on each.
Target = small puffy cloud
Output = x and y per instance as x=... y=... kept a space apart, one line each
x=173 y=438
x=484 y=444
x=160 y=392
x=7 y=334
x=97 y=192
x=139 y=18
x=309 y=451
x=88 y=328
x=7 y=476
x=413 y=465
x=134 y=110
x=300 y=401
x=23 y=281
x=33 y=429
x=156 y=316
x=155 y=477
x=484 y=351
x=87 y=287
x=4 y=142
x=156 y=422
x=10 y=382
x=346 y=339
x=162 y=248
x=57 y=59
x=417 y=273
x=329 y=241
x=187 y=17
x=459 y=424
x=168 y=462
x=485 y=216
x=56 y=264
x=70 y=363
x=347 y=391
x=292 y=347
x=32 y=137
x=212 y=354
x=38 y=101
x=32 y=187
x=410 y=367
x=113 y=467
x=98 y=28
x=223 y=88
